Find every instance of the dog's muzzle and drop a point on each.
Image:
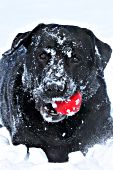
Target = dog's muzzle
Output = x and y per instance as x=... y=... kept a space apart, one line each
x=55 y=85
x=49 y=114
x=57 y=111
x=55 y=79
x=55 y=89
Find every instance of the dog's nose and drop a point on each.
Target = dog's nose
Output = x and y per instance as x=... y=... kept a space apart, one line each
x=54 y=88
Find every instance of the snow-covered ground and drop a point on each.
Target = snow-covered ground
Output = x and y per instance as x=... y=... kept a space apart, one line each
x=23 y=15
x=100 y=157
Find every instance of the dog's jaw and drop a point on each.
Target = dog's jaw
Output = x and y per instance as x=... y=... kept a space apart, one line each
x=51 y=116
x=59 y=110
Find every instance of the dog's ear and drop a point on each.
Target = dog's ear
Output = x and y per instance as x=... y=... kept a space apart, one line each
x=102 y=51
x=23 y=39
x=19 y=39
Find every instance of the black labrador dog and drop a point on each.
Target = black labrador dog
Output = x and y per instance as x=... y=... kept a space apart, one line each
x=48 y=64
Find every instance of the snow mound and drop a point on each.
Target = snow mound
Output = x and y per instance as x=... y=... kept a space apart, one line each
x=16 y=158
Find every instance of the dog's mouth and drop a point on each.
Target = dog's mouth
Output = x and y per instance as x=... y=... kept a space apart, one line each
x=57 y=110
x=49 y=114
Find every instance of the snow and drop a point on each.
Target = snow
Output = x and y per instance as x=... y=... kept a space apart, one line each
x=77 y=101
x=54 y=105
x=96 y=51
x=21 y=16
x=16 y=158
x=69 y=54
x=60 y=41
x=51 y=51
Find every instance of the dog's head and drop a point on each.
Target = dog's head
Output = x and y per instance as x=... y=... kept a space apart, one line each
x=60 y=60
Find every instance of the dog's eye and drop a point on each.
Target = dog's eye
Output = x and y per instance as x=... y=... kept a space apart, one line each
x=75 y=58
x=43 y=56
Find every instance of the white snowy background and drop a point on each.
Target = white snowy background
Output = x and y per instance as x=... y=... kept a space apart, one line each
x=23 y=15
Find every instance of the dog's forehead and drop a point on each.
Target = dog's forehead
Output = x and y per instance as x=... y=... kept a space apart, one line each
x=64 y=39
x=60 y=35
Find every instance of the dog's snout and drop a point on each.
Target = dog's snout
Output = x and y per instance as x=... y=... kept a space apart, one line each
x=54 y=78
x=58 y=72
x=54 y=88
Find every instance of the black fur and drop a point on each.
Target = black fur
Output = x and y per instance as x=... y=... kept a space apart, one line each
x=20 y=105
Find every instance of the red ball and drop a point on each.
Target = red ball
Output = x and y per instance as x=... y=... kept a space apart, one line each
x=70 y=106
